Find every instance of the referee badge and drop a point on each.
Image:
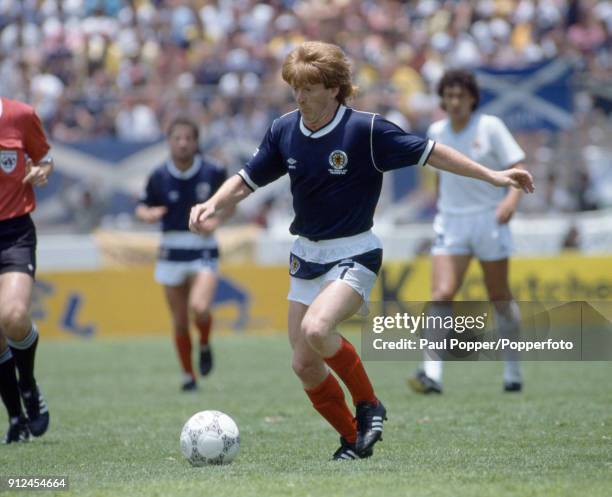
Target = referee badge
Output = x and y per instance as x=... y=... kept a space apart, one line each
x=8 y=160
x=338 y=160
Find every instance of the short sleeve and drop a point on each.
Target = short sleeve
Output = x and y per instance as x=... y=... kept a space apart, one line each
x=266 y=165
x=220 y=177
x=393 y=148
x=36 y=145
x=151 y=197
x=507 y=149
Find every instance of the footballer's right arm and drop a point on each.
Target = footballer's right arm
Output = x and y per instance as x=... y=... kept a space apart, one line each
x=448 y=159
x=228 y=195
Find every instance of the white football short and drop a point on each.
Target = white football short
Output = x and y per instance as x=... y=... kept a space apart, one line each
x=477 y=234
x=355 y=260
x=175 y=273
x=183 y=254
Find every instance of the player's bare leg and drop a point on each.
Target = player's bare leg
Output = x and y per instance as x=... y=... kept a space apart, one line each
x=320 y=384
x=307 y=363
x=201 y=296
x=15 y=295
x=177 y=298
x=22 y=338
x=447 y=273
x=335 y=303
x=507 y=317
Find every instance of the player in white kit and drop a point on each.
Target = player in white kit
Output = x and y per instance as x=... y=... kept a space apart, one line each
x=472 y=219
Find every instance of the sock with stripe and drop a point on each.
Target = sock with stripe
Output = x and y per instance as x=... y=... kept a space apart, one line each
x=9 y=390
x=328 y=399
x=347 y=364
x=24 y=352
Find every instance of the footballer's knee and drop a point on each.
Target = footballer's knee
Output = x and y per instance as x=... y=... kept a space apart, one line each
x=15 y=320
x=199 y=304
x=443 y=293
x=180 y=321
x=201 y=311
x=316 y=330
x=181 y=328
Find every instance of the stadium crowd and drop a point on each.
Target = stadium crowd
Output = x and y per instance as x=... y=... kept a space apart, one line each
x=125 y=68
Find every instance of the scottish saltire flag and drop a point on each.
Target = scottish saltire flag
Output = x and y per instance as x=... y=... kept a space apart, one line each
x=535 y=97
x=115 y=170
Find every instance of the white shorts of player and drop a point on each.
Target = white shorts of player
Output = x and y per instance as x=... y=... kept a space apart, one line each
x=172 y=273
x=360 y=278
x=477 y=234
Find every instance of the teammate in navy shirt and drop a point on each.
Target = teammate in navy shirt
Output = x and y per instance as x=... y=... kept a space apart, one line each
x=187 y=262
x=335 y=157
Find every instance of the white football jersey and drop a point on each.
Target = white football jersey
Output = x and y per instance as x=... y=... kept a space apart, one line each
x=485 y=140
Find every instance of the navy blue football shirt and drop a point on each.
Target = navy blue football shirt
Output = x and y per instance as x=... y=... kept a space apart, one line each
x=336 y=172
x=179 y=190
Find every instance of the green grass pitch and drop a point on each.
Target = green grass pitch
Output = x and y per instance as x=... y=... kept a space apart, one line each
x=117 y=412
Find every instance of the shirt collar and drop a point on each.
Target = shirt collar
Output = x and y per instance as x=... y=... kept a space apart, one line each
x=328 y=128
x=189 y=173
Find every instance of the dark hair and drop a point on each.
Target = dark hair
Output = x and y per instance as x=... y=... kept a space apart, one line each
x=184 y=121
x=463 y=79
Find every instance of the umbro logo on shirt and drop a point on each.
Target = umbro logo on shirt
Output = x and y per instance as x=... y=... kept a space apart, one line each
x=292 y=162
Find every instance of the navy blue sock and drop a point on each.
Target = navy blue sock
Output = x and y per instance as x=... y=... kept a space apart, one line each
x=24 y=353
x=9 y=390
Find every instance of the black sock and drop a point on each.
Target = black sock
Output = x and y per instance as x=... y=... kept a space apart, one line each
x=9 y=391
x=24 y=353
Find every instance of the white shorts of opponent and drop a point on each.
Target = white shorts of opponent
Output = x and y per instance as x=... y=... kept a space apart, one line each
x=355 y=260
x=477 y=234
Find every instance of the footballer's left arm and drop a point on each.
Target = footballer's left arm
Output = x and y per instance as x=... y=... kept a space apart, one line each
x=448 y=159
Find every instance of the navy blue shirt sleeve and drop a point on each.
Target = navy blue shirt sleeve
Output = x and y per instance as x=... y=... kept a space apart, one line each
x=220 y=177
x=393 y=148
x=266 y=165
x=151 y=196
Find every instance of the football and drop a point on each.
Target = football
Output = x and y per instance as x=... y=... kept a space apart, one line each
x=210 y=437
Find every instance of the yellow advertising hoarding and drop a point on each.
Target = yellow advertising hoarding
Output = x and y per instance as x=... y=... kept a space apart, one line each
x=127 y=302
x=565 y=277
